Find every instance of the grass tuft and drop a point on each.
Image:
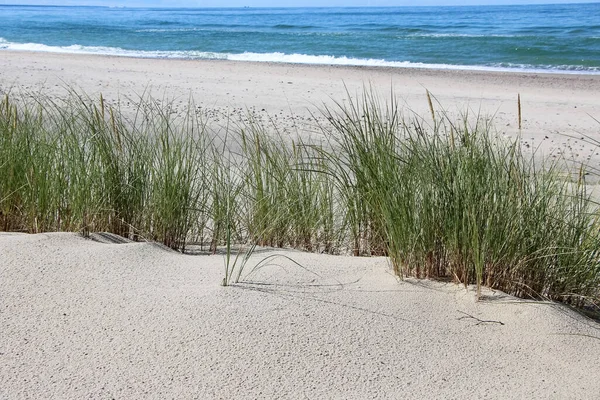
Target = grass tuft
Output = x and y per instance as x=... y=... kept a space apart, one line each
x=443 y=201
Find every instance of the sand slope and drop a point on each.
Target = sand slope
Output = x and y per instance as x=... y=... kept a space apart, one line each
x=83 y=319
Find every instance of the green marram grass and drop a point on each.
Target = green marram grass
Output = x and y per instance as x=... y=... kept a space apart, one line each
x=444 y=200
x=450 y=201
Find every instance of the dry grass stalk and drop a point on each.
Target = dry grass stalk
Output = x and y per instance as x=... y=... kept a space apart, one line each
x=430 y=106
x=519 y=108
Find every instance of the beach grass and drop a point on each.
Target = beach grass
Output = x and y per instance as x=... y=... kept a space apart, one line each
x=442 y=199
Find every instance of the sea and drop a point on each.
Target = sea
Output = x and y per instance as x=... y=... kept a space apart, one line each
x=562 y=38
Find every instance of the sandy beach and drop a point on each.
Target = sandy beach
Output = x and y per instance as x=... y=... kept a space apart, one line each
x=104 y=318
x=554 y=107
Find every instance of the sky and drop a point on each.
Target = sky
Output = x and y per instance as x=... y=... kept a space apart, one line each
x=280 y=3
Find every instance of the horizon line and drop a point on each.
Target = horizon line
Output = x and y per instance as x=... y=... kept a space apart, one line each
x=293 y=7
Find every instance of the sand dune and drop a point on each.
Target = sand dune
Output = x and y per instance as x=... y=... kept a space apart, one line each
x=84 y=319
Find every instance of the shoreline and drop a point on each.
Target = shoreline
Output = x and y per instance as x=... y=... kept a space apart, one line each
x=414 y=67
x=383 y=64
x=411 y=71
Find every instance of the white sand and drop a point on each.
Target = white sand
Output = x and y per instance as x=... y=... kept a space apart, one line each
x=82 y=319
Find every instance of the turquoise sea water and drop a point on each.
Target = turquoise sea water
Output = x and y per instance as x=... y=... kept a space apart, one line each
x=564 y=38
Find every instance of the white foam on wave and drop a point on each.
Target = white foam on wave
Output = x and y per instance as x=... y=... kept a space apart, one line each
x=108 y=51
x=456 y=35
x=322 y=60
x=285 y=58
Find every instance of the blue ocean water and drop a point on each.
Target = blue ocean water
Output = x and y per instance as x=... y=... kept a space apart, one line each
x=563 y=38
